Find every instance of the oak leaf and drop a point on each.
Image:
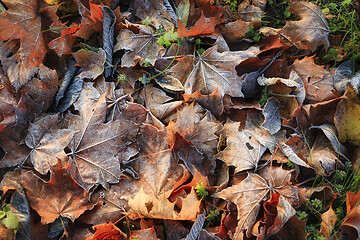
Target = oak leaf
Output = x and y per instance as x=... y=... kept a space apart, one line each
x=312 y=26
x=209 y=71
x=255 y=188
x=96 y=145
x=61 y=196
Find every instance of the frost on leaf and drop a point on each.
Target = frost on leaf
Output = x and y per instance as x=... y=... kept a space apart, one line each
x=249 y=194
x=61 y=196
x=139 y=47
x=312 y=26
x=96 y=145
x=242 y=150
x=209 y=71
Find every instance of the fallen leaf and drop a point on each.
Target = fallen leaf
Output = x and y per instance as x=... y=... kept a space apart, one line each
x=91 y=20
x=311 y=27
x=211 y=70
x=249 y=194
x=212 y=102
x=47 y=142
x=91 y=62
x=95 y=146
x=353 y=211
x=346 y=118
x=195 y=127
x=204 y=26
x=22 y=21
x=318 y=82
x=149 y=234
x=61 y=196
x=139 y=47
x=251 y=12
x=63 y=44
x=242 y=150
x=272 y=116
x=234 y=31
x=328 y=222
x=107 y=231
x=149 y=206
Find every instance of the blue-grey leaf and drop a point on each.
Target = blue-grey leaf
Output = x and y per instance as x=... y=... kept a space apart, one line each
x=56 y=228
x=70 y=88
x=109 y=20
x=272 y=116
x=172 y=12
x=250 y=86
x=196 y=227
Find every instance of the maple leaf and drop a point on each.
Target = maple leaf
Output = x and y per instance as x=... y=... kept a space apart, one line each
x=318 y=82
x=209 y=71
x=312 y=26
x=242 y=150
x=107 y=231
x=22 y=21
x=61 y=196
x=234 y=31
x=139 y=47
x=212 y=102
x=91 y=62
x=63 y=44
x=91 y=20
x=47 y=143
x=255 y=188
x=197 y=128
x=95 y=145
x=204 y=26
x=158 y=103
x=150 y=206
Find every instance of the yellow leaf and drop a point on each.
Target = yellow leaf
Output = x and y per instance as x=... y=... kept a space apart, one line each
x=347 y=117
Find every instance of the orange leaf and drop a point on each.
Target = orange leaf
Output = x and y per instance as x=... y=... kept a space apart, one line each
x=107 y=231
x=204 y=26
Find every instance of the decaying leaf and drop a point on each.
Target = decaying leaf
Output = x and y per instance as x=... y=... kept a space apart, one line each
x=61 y=196
x=255 y=188
x=139 y=47
x=312 y=26
x=107 y=231
x=346 y=118
x=91 y=62
x=211 y=70
x=242 y=150
x=272 y=116
x=95 y=146
x=353 y=210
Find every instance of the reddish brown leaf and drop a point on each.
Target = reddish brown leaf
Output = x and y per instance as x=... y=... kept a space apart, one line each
x=63 y=44
x=22 y=21
x=353 y=211
x=204 y=26
x=61 y=196
x=91 y=62
x=149 y=234
x=91 y=21
x=107 y=231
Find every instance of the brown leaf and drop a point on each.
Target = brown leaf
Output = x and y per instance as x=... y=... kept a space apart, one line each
x=139 y=47
x=158 y=103
x=150 y=206
x=251 y=12
x=63 y=44
x=95 y=146
x=318 y=82
x=234 y=31
x=91 y=62
x=212 y=102
x=353 y=211
x=148 y=233
x=22 y=21
x=107 y=231
x=311 y=27
x=211 y=70
x=91 y=20
x=47 y=142
x=197 y=128
x=61 y=196
x=242 y=150
x=249 y=194
x=328 y=222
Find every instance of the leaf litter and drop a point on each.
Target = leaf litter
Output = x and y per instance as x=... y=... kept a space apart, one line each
x=163 y=120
